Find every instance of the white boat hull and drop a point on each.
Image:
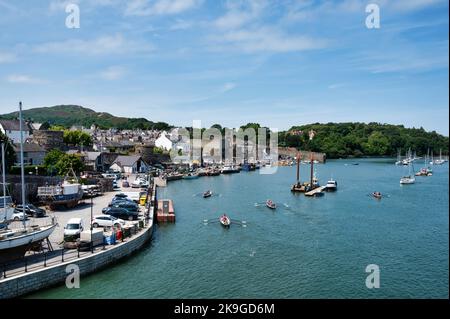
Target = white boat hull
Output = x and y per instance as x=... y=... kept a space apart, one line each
x=27 y=238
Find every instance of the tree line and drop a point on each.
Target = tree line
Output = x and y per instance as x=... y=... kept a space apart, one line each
x=360 y=139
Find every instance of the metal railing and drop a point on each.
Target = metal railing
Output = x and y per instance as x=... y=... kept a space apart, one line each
x=38 y=261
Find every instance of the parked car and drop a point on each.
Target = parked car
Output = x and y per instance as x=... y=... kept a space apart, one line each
x=31 y=210
x=3 y=226
x=106 y=221
x=121 y=195
x=120 y=213
x=16 y=216
x=73 y=227
x=129 y=205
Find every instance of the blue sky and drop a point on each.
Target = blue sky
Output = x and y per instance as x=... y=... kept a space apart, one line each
x=279 y=63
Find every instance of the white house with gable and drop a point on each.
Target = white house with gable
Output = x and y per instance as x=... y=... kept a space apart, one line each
x=164 y=142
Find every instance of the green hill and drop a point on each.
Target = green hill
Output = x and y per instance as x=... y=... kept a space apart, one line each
x=68 y=115
x=361 y=139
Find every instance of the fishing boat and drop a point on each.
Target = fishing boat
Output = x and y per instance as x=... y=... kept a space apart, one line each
x=225 y=221
x=331 y=185
x=14 y=243
x=207 y=194
x=68 y=193
x=230 y=169
x=213 y=172
x=190 y=176
x=271 y=204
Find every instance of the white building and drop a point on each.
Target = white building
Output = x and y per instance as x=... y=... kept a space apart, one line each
x=164 y=142
x=11 y=128
x=129 y=164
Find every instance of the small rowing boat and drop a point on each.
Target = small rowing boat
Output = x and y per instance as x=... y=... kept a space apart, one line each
x=207 y=194
x=225 y=220
x=271 y=204
x=377 y=195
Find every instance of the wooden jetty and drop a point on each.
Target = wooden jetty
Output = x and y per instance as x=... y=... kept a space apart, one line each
x=165 y=212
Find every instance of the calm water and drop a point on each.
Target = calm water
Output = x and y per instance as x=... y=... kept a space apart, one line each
x=307 y=248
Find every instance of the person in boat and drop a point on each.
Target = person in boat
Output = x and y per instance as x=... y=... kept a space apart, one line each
x=377 y=194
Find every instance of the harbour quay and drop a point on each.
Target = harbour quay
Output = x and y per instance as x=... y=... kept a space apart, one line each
x=51 y=268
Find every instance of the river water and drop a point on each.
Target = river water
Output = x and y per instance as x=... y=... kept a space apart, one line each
x=306 y=248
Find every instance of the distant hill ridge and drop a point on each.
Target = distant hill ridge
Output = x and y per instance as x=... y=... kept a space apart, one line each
x=69 y=115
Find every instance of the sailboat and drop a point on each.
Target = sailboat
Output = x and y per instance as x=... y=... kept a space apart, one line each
x=425 y=170
x=14 y=243
x=408 y=179
x=399 y=158
x=6 y=205
x=439 y=161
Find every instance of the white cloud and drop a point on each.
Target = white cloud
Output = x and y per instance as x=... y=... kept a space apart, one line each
x=227 y=87
x=23 y=79
x=7 y=6
x=240 y=13
x=411 y=5
x=7 y=57
x=113 y=73
x=335 y=86
x=116 y=44
x=60 y=5
x=160 y=7
x=181 y=25
x=268 y=39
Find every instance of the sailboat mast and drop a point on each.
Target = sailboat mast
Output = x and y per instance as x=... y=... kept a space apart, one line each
x=4 y=178
x=312 y=170
x=22 y=170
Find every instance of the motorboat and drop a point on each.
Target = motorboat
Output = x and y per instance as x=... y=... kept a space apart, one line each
x=225 y=220
x=331 y=185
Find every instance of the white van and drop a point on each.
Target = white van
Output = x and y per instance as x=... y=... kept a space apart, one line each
x=74 y=227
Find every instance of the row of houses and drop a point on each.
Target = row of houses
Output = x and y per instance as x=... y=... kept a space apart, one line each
x=108 y=157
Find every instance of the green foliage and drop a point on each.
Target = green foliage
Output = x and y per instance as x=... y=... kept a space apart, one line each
x=57 y=128
x=158 y=150
x=9 y=152
x=69 y=161
x=77 y=138
x=52 y=157
x=57 y=162
x=360 y=139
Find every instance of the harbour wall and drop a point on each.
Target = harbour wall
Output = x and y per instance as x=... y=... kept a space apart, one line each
x=53 y=275
x=304 y=155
